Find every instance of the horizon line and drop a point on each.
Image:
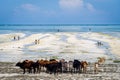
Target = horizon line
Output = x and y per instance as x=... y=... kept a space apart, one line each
x=57 y=24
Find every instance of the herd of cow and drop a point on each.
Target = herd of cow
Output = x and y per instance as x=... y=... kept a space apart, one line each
x=53 y=66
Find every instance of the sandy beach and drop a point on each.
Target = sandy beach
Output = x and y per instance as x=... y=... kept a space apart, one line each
x=68 y=45
x=59 y=45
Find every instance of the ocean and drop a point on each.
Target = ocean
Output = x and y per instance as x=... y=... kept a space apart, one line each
x=111 y=29
x=63 y=27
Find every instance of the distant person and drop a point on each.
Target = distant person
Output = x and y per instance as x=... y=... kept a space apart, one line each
x=89 y=29
x=58 y=30
x=38 y=41
x=98 y=43
x=35 y=41
x=101 y=43
x=18 y=37
x=14 y=38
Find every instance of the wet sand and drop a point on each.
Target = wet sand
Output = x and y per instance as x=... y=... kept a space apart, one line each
x=67 y=45
x=8 y=71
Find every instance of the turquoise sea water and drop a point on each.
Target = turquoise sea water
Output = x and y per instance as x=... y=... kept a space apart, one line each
x=62 y=28
x=112 y=29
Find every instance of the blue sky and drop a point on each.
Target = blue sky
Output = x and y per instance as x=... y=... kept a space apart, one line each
x=59 y=11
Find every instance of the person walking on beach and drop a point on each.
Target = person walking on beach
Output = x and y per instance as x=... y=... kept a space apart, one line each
x=35 y=41
x=18 y=37
x=58 y=30
x=89 y=29
x=99 y=43
x=38 y=41
x=14 y=38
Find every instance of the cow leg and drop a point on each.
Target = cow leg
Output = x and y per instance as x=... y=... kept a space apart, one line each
x=54 y=70
x=85 y=70
x=60 y=70
x=24 y=71
x=37 y=69
x=71 y=71
x=30 y=70
x=78 y=70
x=34 y=70
x=96 y=70
x=74 y=70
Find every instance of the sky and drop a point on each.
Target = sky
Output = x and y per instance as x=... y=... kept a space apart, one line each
x=59 y=11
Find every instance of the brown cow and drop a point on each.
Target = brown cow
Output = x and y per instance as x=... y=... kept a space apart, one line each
x=101 y=60
x=84 y=65
x=42 y=63
x=27 y=64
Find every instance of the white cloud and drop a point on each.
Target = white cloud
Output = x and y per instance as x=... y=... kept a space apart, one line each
x=33 y=10
x=78 y=5
x=27 y=9
x=71 y=4
x=90 y=7
x=30 y=7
